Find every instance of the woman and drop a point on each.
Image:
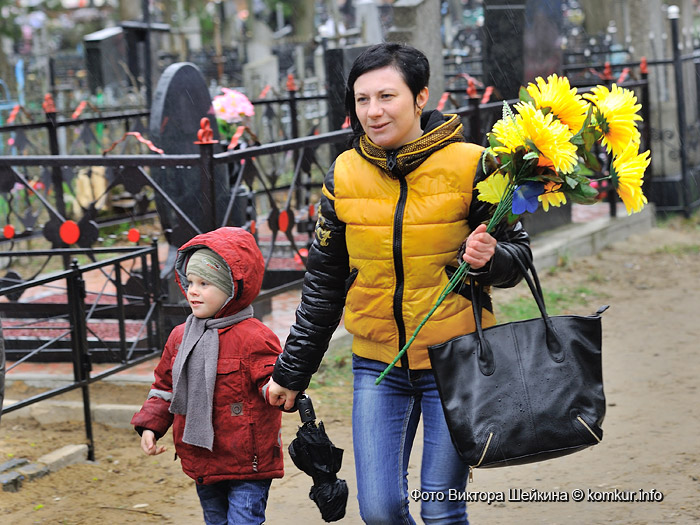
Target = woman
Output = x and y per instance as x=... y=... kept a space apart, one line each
x=395 y=212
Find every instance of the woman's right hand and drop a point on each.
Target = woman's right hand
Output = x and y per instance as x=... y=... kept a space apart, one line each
x=148 y=444
x=277 y=395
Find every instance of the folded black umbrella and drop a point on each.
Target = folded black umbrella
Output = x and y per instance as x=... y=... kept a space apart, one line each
x=313 y=452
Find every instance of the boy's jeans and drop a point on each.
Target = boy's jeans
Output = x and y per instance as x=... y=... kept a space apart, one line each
x=234 y=502
x=384 y=422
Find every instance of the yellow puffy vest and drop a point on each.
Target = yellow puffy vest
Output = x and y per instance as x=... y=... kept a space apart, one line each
x=401 y=264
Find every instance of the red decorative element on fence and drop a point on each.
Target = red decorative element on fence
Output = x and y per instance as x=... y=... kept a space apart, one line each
x=138 y=137
x=312 y=211
x=471 y=90
x=606 y=75
x=607 y=71
x=133 y=235
x=487 y=95
x=644 y=66
x=48 y=105
x=265 y=91
x=205 y=135
x=283 y=220
x=291 y=84
x=303 y=252
x=13 y=114
x=442 y=101
x=468 y=77
x=623 y=76
x=69 y=232
x=236 y=137
x=81 y=107
x=8 y=231
x=346 y=123
x=253 y=227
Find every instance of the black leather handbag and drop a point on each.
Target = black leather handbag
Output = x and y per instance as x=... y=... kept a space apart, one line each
x=524 y=391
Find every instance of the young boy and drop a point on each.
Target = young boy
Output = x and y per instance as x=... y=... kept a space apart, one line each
x=209 y=381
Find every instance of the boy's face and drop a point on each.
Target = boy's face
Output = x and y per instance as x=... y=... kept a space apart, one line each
x=205 y=299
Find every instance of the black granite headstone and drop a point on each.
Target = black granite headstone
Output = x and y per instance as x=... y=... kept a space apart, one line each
x=522 y=40
x=338 y=63
x=504 y=23
x=180 y=101
x=543 y=53
x=105 y=52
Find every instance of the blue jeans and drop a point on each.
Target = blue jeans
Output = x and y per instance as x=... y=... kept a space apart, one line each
x=384 y=422
x=234 y=502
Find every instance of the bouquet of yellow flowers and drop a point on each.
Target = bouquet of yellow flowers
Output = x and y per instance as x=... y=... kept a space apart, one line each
x=542 y=154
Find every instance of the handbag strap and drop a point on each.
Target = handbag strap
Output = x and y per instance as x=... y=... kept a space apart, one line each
x=554 y=346
x=484 y=354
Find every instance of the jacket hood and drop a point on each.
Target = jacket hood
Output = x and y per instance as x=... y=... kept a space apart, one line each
x=245 y=261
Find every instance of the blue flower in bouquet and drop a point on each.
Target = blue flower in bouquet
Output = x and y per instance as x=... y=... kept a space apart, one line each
x=526 y=197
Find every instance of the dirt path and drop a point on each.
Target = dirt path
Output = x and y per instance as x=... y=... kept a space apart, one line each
x=651 y=369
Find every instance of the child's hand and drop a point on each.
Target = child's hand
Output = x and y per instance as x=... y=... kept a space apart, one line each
x=277 y=395
x=148 y=444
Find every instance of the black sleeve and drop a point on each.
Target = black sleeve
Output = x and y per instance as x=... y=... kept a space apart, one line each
x=501 y=271
x=322 y=298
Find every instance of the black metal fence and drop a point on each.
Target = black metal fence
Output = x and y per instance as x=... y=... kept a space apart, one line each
x=117 y=323
x=672 y=130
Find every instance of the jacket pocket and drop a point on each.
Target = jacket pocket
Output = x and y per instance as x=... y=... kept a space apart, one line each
x=229 y=383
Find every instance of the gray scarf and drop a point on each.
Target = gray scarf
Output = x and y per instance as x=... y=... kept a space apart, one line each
x=194 y=375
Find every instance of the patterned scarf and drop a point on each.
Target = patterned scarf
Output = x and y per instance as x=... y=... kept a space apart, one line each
x=401 y=162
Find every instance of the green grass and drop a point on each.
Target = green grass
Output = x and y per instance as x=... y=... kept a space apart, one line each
x=335 y=370
x=331 y=386
x=557 y=302
x=679 y=249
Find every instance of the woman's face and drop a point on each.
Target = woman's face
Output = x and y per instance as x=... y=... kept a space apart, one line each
x=386 y=109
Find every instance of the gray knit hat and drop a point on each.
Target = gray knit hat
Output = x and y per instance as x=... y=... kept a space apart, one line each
x=211 y=267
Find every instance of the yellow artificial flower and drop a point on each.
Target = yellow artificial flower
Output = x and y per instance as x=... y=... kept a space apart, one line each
x=551 y=138
x=552 y=196
x=558 y=95
x=615 y=116
x=628 y=175
x=507 y=131
x=493 y=188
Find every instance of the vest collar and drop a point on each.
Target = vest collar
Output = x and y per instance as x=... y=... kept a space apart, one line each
x=440 y=130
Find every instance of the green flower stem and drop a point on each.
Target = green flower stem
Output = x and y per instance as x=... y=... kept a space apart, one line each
x=502 y=210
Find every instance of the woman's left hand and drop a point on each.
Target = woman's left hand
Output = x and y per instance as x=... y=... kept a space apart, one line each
x=480 y=248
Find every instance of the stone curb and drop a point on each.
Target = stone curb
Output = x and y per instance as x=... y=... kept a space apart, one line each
x=15 y=472
x=580 y=240
x=51 y=412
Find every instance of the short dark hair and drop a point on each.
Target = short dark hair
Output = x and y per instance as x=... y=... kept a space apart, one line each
x=409 y=61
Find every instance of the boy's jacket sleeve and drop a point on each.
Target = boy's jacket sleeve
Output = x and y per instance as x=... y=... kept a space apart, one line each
x=155 y=413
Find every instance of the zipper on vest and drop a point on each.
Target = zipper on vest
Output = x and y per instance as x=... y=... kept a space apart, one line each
x=391 y=161
x=398 y=265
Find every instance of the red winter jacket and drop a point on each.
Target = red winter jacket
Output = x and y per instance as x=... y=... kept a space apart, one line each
x=247 y=435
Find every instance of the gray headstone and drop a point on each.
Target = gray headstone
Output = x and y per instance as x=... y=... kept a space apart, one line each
x=180 y=101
